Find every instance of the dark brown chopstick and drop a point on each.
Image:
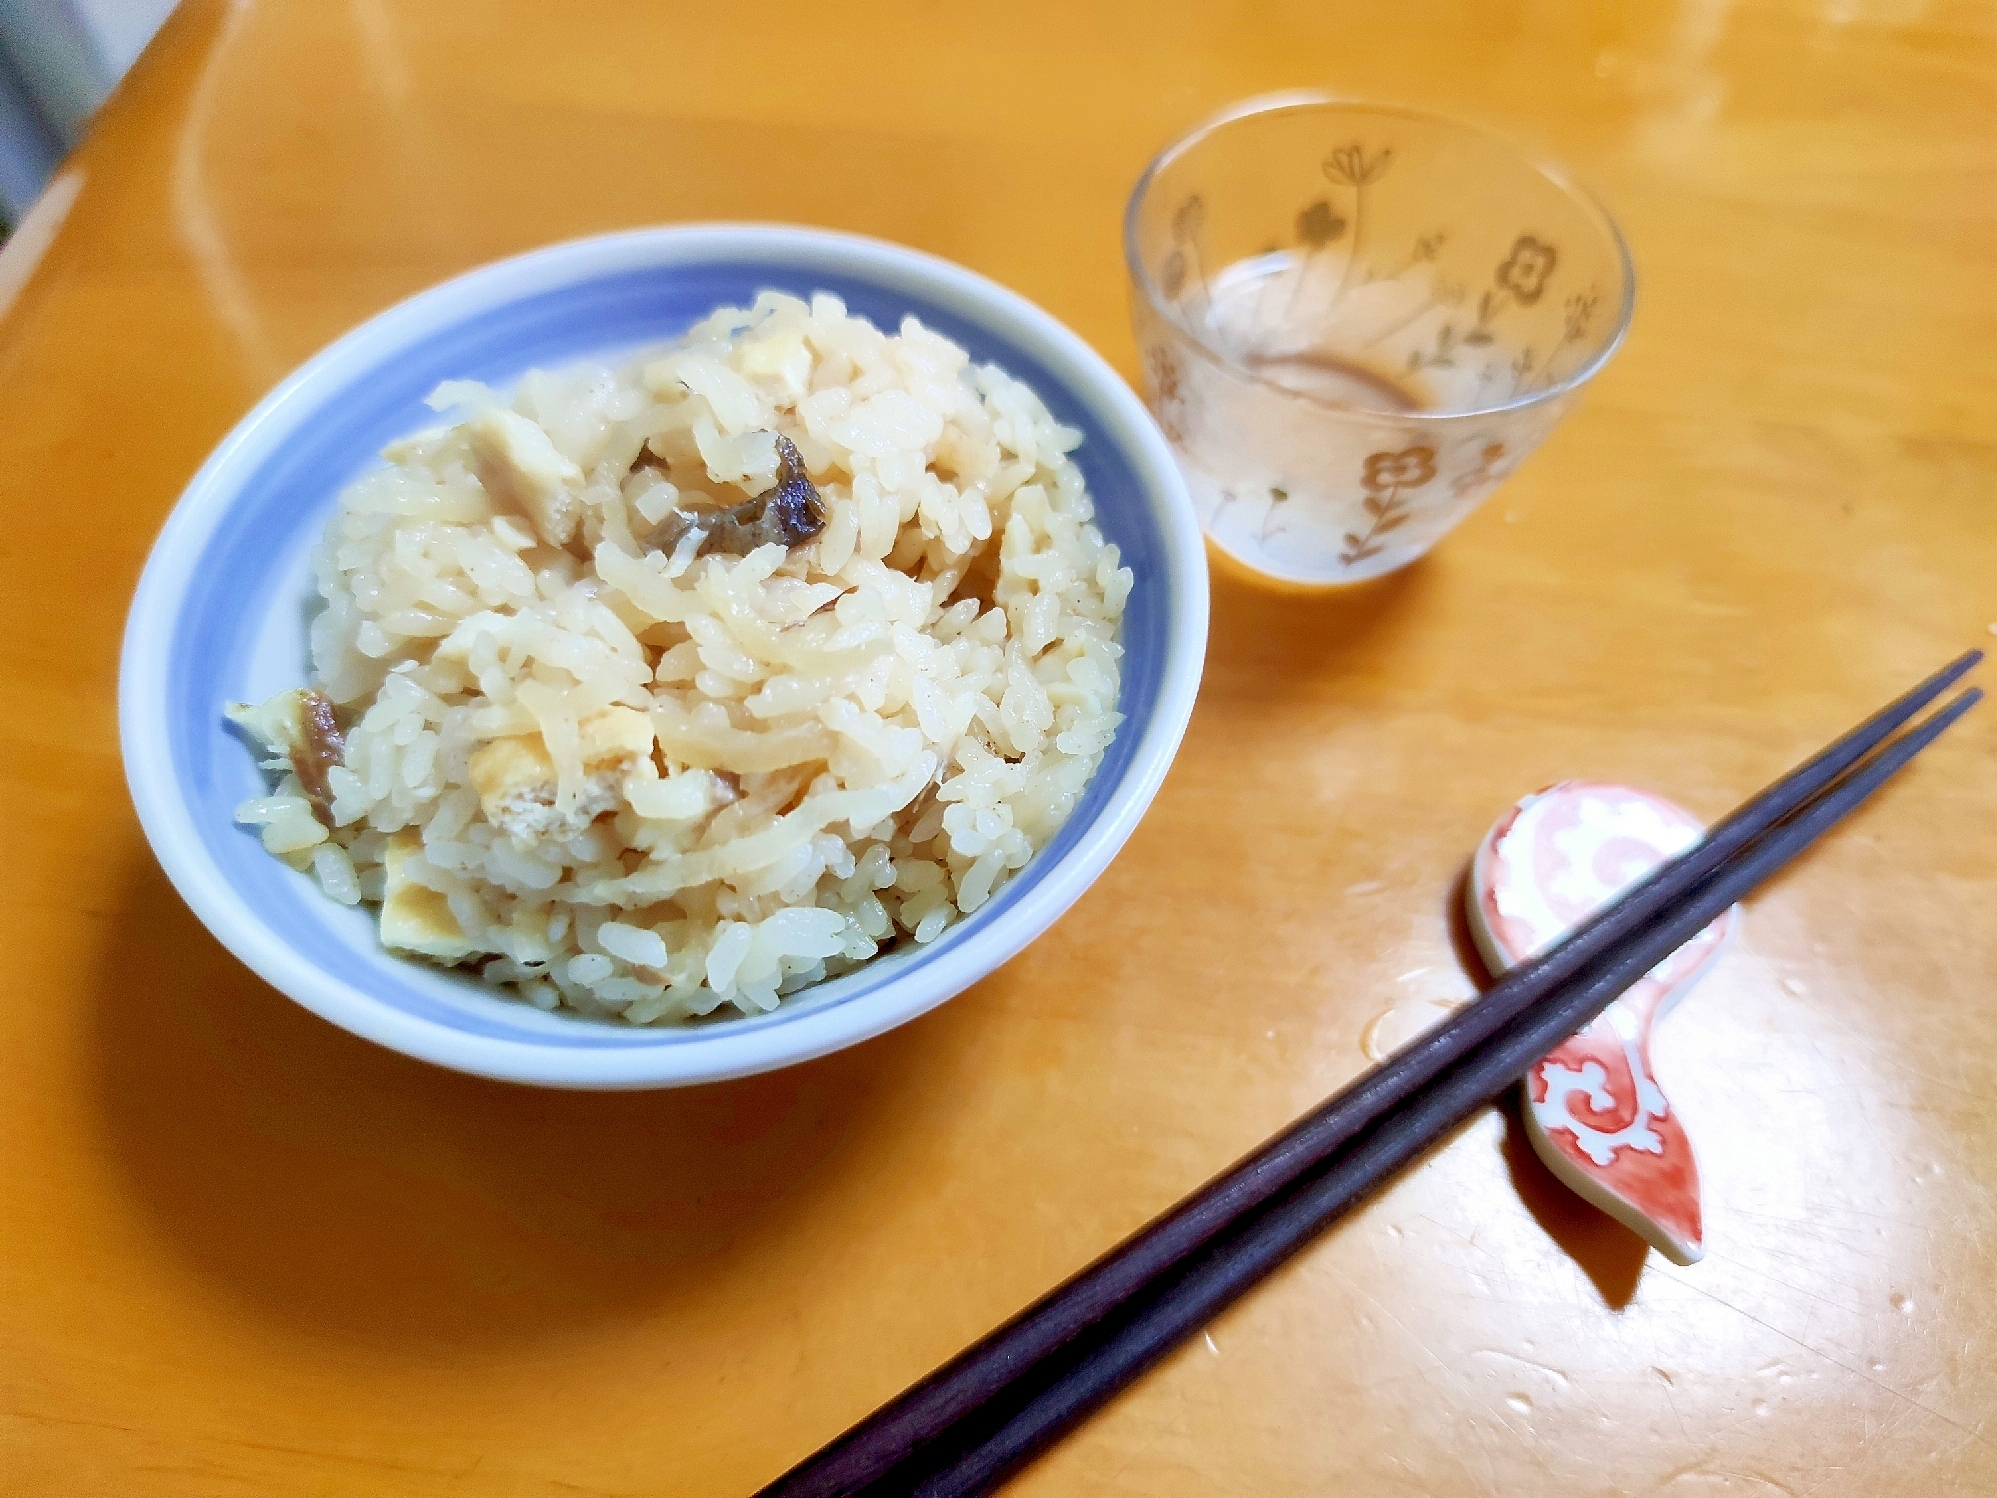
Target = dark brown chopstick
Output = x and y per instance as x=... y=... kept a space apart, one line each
x=979 y=1378
x=977 y=1456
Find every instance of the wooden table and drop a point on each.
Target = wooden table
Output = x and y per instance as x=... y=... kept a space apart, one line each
x=245 y=1253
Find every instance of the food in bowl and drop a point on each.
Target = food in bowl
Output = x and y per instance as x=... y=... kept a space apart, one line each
x=693 y=678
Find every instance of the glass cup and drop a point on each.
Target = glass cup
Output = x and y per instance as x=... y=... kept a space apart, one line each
x=1356 y=321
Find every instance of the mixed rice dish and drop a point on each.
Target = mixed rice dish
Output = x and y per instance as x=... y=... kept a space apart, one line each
x=693 y=679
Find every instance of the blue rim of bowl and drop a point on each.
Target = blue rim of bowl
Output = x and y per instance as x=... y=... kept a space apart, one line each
x=912 y=983
x=1276 y=103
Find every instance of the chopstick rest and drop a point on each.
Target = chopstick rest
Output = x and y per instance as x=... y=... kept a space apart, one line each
x=1593 y=1107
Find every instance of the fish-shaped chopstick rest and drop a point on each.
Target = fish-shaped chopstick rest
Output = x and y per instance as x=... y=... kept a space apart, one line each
x=1593 y=1108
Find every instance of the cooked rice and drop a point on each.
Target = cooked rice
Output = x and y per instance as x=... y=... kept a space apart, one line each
x=757 y=771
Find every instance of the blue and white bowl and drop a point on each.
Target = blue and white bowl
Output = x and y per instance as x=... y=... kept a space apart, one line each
x=220 y=615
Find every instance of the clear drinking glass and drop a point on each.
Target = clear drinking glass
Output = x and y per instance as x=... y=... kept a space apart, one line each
x=1357 y=320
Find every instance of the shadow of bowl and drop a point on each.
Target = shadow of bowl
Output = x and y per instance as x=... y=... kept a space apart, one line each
x=350 y=1192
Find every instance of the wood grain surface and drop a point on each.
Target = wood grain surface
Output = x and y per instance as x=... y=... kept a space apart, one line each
x=245 y=1253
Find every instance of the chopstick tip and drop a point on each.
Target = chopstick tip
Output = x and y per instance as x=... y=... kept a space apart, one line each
x=1941 y=718
x=1966 y=662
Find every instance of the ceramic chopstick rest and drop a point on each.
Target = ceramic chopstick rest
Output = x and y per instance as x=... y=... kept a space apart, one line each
x=1593 y=1108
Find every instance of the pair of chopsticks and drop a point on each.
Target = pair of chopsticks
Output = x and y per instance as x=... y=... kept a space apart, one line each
x=966 y=1426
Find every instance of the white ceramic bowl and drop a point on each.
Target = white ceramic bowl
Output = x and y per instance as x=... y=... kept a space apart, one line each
x=220 y=615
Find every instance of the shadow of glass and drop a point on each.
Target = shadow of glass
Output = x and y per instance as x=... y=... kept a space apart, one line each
x=1267 y=639
x=349 y=1192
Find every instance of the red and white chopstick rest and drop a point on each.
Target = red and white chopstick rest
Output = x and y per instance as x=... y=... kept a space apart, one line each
x=1593 y=1108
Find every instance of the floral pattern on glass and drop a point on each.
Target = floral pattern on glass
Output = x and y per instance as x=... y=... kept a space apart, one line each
x=1352 y=166
x=1487 y=470
x=1167 y=391
x=1525 y=270
x=1188 y=221
x=1278 y=497
x=1387 y=478
x=1520 y=278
